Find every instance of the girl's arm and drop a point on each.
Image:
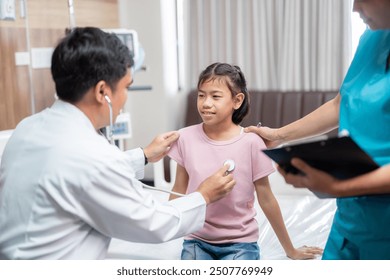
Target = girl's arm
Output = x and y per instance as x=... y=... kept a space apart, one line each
x=181 y=182
x=271 y=209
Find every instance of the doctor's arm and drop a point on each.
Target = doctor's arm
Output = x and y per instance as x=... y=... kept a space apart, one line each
x=375 y=182
x=271 y=209
x=155 y=151
x=160 y=146
x=115 y=204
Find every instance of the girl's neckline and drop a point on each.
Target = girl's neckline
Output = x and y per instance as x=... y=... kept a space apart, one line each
x=223 y=142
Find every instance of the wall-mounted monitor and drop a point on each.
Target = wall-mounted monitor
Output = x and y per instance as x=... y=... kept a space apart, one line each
x=128 y=37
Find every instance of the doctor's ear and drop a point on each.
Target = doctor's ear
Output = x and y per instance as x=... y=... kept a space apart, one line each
x=101 y=91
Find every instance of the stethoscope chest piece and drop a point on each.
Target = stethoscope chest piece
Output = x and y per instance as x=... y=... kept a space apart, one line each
x=231 y=164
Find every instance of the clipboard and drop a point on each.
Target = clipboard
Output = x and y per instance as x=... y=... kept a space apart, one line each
x=339 y=156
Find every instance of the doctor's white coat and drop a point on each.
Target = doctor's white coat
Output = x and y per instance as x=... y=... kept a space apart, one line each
x=65 y=192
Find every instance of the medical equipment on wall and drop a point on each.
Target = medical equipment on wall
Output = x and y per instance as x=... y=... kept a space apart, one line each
x=119 y=130
x=129 y=37
x=72 y=20
x=7 y=10
x=229 y=162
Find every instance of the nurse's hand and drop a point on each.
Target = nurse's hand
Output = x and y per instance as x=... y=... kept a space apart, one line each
x=270 y=136
x=217 y=185
x=160 y=146
x=314 y=179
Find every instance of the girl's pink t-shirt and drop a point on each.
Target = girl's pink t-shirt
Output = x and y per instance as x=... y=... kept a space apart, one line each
x=231 y=219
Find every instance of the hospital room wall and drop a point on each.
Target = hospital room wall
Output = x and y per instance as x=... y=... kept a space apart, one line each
x=160 y=109
x=26 y=89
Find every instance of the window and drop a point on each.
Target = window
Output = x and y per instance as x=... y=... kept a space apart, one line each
x=358 y=27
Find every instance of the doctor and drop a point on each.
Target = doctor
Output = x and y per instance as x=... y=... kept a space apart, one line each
x=64 y=190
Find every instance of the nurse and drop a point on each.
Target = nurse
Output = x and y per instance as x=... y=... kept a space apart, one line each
x=64 y=190
x=361 y=228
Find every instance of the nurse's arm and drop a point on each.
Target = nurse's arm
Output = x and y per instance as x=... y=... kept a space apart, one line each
x=324 y=119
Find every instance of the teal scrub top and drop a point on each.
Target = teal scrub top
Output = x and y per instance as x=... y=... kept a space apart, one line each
x=365 y=96
x=365 y=114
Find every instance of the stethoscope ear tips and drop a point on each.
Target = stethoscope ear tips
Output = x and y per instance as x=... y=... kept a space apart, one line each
x=107 y=98
x=231 y=164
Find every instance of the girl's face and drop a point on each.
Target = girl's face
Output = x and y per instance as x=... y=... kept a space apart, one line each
x=215 y=102
x=375 y=13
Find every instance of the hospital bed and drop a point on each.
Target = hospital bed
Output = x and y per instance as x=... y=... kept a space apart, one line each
x=308 y=218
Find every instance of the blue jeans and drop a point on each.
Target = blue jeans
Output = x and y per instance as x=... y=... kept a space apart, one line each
x=200 y=250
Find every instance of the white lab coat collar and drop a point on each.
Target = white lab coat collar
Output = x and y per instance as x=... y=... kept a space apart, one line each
x=74 y=112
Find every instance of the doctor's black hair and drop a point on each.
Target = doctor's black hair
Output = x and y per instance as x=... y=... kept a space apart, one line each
x=85 y=56
x=235 y=81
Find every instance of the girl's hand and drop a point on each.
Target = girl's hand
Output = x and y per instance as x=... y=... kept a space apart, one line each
x=305 y=253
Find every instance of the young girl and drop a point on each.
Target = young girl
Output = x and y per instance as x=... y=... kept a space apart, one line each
x=230 y=230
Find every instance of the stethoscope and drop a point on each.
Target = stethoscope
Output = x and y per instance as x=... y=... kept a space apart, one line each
x=110 y=138
x=111 y=127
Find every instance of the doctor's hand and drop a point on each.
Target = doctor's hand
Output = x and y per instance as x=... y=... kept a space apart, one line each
x=217 y=185
x=314 y=179
x=160 y=146
x=269 y=135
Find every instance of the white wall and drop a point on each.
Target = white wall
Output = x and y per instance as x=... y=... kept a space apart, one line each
x=159 y=110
